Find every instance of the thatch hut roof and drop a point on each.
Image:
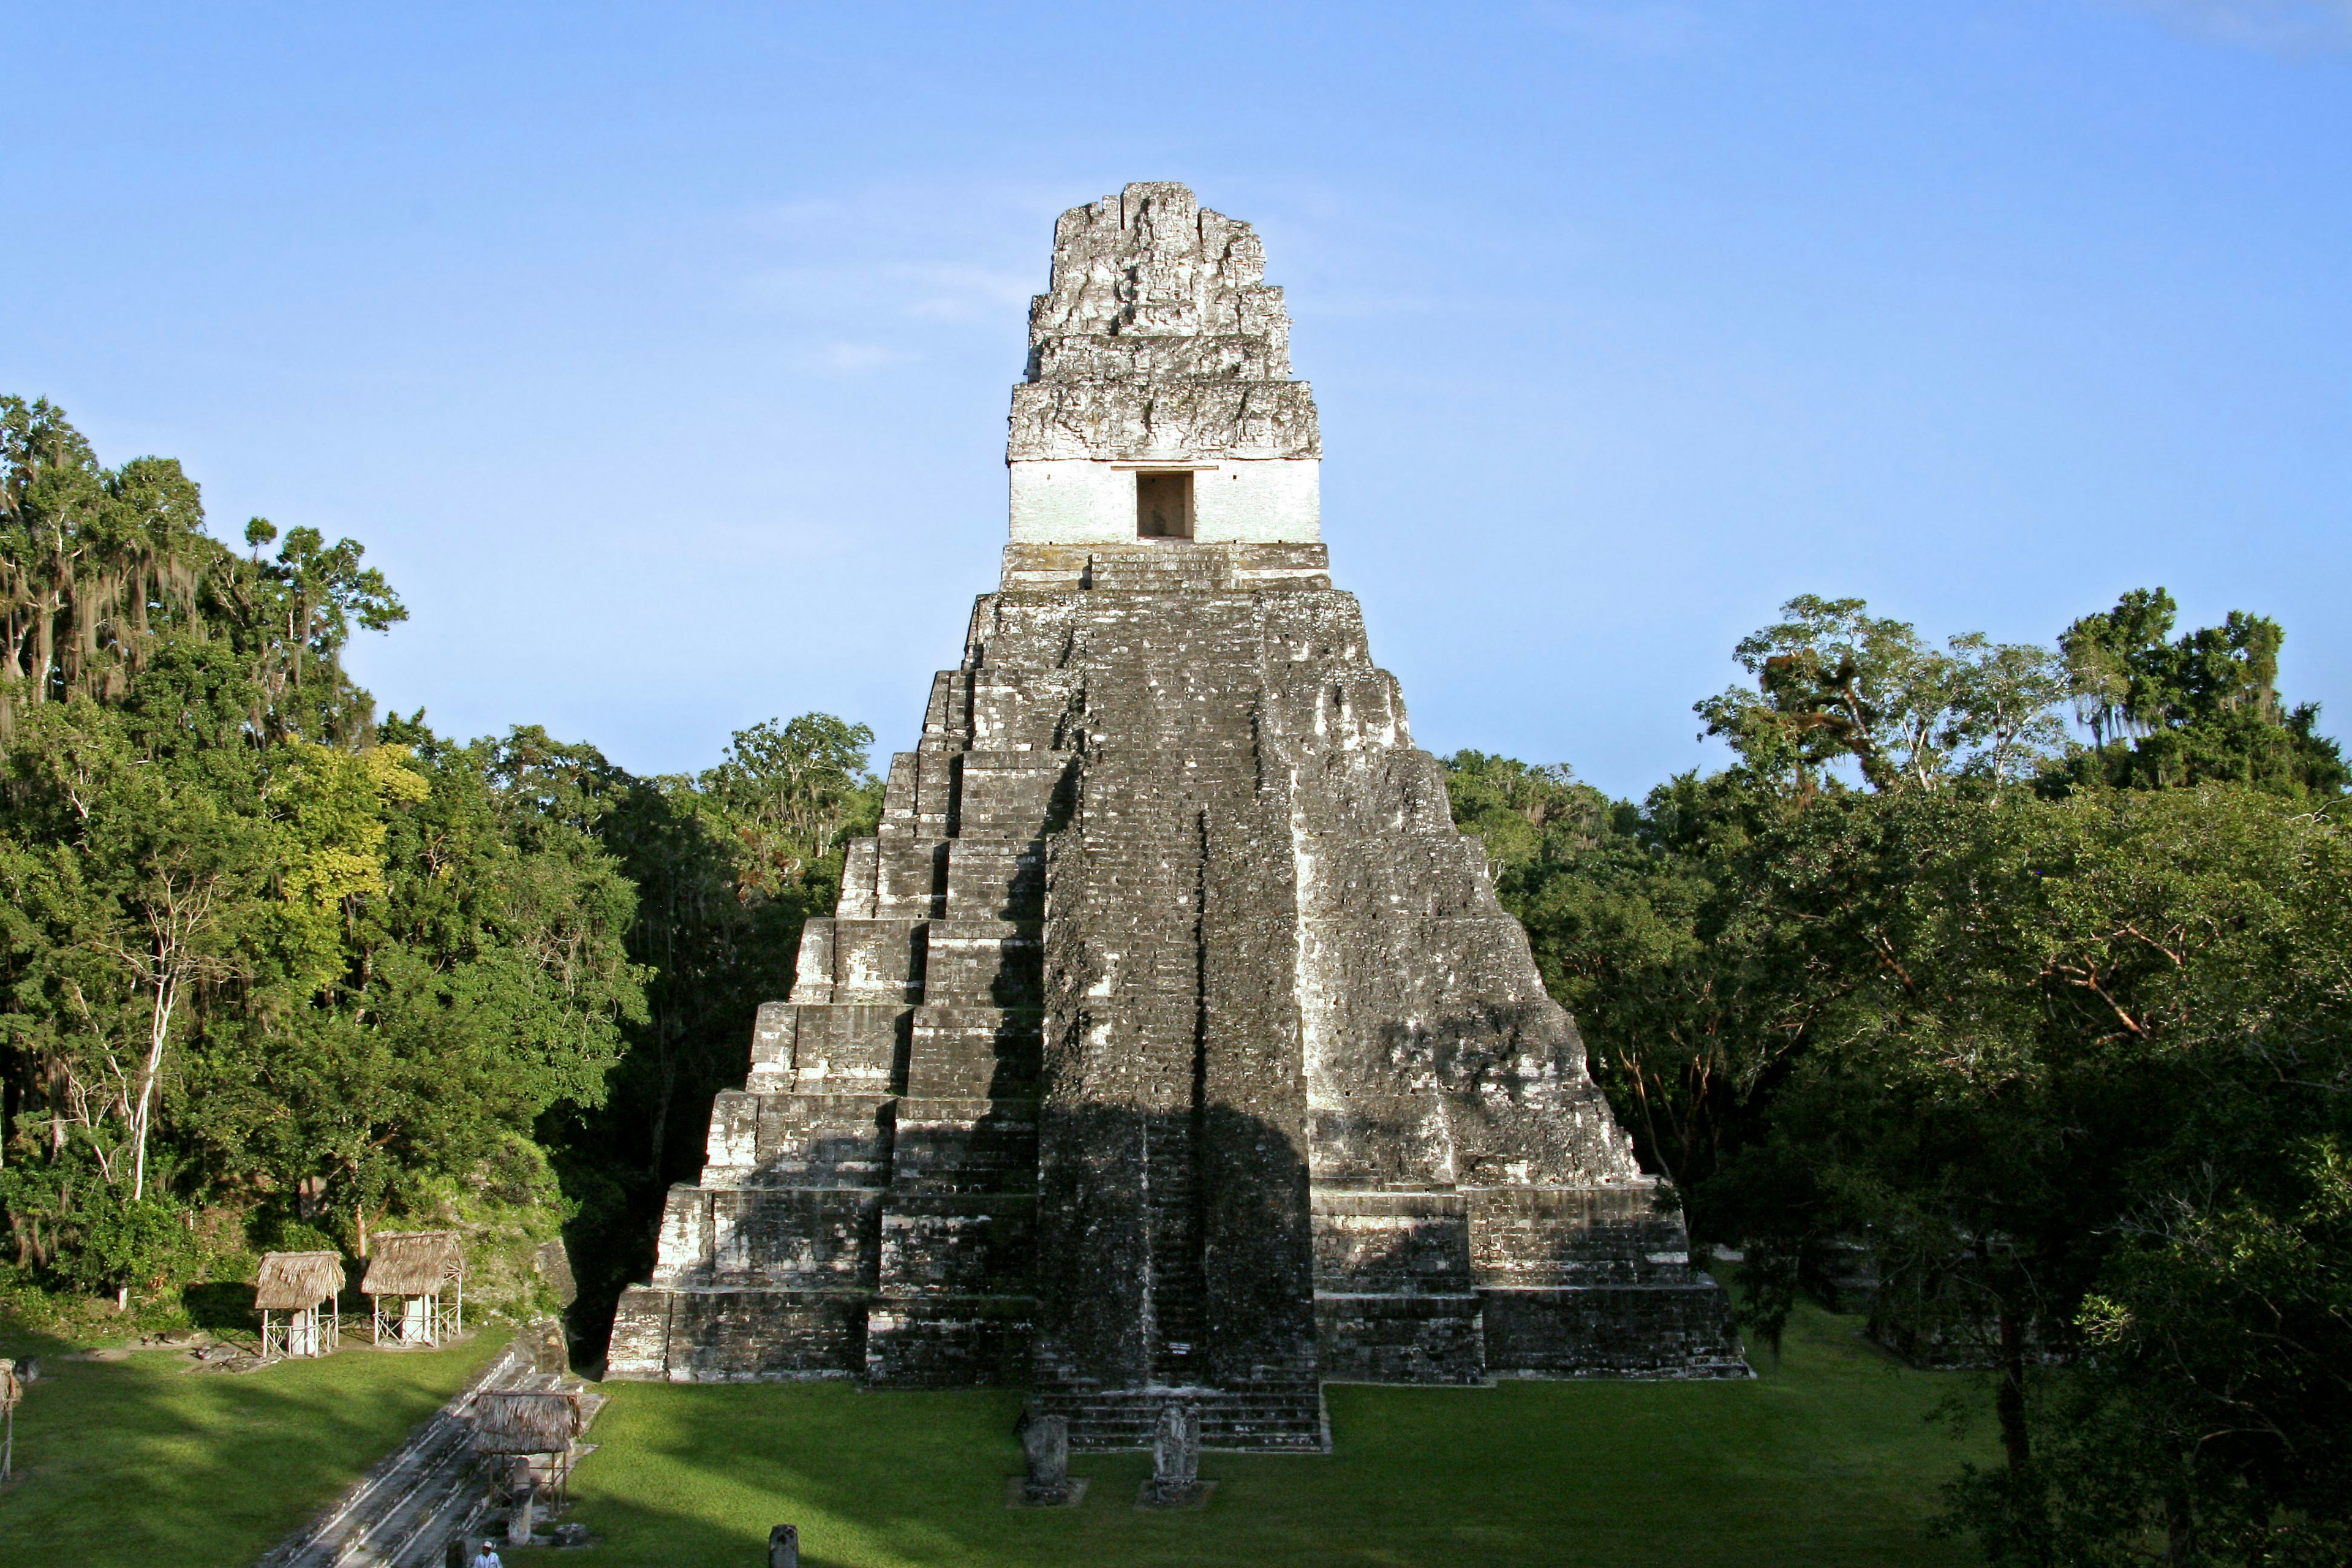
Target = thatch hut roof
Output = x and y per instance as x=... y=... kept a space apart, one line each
x=413 y=1263
x=525 y=1421
x=291 y=1281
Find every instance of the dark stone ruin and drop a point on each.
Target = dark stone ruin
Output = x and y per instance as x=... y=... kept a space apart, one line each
x=1168 y=1048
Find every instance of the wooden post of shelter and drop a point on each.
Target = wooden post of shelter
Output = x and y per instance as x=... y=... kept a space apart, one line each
x=296 y=1295
x=417 y=1284
x=12 y=1388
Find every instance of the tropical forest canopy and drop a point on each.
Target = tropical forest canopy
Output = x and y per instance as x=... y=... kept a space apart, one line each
x=1999 y=990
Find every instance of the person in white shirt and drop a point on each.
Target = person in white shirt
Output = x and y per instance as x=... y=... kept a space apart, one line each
x=487 y=1557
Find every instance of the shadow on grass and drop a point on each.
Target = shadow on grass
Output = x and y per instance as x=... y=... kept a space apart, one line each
x=1825 y=1461
x=138 y=1461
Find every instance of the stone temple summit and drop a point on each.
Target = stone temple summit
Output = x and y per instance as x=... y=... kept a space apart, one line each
x=1168 y=1044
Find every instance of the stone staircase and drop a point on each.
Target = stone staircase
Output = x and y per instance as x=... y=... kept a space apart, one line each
x=430 y=1490
x=1168 y=1036
x=1281 y=1421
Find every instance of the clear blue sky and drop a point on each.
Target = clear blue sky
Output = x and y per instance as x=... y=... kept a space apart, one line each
x=660 y=355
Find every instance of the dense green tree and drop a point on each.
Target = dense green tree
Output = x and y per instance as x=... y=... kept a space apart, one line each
x=102 y=570
x=1633 y=917
x=728 y=865
x=1835 y=684
x=248 y=953
x=2066 y=1063
x=2072 y=1069
x=2168 y=712
x=2060 y=1026
x=2069 y=1063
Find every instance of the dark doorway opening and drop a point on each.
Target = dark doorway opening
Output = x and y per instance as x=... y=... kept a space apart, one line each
x=1163 y=506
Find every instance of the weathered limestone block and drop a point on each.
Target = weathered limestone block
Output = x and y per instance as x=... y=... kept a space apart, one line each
x=830 y=1047
x=1005 y=794
x=798 y=1140
x=803 y=1237
x=739 y=1334
x=937 y=775
x=948 y=1342
x=996 y=880
x=1165 y=422
x=1612 y=1330
x=964 y=1146
x=1392 y=1242
x=869 y=961
x=1220 y=356
x=1375 y=1338
x=639 y=1346
x=940 y=1245
x=1152 y=261
x=973 y=1053
x=993 y=962
x=772 y=1035
x=893 y=878
x=1630 y=1233
x=1169 y=1049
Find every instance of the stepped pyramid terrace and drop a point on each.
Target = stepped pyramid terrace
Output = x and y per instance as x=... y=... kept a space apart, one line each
x=1168 y=1044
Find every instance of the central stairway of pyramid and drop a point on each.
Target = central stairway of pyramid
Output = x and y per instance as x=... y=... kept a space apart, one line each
x=1168 y=1042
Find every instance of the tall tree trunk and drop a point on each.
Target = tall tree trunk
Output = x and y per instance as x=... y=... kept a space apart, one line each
x=661 y=1114
x=2179 y=1527
x=2009 y=1400
x=159 y=1032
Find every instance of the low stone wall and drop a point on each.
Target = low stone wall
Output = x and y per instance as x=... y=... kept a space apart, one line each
x=1612 y=1330
x=738 y=1335
x=1400 y=1339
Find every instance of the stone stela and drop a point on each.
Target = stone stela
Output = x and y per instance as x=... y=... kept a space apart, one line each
x=1045 y=1453
x=1175 y=1460
x=1167 y=1046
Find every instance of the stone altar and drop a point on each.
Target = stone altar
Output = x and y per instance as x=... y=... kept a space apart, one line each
x=1168 y=1043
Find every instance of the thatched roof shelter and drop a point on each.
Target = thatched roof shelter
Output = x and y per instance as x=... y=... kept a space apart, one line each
x=525 y=1421
x=295 y=1281
x=413 y=1263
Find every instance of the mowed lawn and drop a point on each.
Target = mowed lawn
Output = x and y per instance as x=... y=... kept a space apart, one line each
x=136 y=1462
x=1827 y=1459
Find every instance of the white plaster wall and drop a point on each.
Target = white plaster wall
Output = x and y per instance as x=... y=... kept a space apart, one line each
x=1072 y=500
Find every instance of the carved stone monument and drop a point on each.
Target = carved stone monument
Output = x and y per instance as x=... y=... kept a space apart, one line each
x=1168 y=1044
x=1175 y=1459
x=1045 y=1446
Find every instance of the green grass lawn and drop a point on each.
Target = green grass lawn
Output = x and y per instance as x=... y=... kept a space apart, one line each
x=137 y=1463
x=1826 y=1460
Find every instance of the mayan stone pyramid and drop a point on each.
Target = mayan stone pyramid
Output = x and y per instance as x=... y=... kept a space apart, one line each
x=1169 y=1042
